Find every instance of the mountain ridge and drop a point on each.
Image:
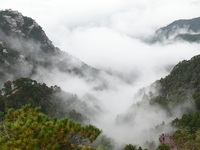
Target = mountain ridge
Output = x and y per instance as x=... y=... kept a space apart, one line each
x=23 y=37
x=180 y=30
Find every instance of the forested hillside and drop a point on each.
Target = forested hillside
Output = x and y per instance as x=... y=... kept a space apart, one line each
x=186 y=30
x=52 y=100
x=25 y=50
x=181 y=85
x=176 y=94
x=28 y=128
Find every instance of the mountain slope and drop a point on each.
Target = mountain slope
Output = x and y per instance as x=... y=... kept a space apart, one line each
x=182 y=83
x=25 y=50
x=52 y=100
x=184 y=30
x=170 y=97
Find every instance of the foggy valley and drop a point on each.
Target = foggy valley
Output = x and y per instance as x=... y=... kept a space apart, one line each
x=130 y=68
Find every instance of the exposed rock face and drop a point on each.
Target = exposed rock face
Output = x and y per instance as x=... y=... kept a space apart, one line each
x=14 y=20
x=14 y=23
x=24 y=45
x=26 y=51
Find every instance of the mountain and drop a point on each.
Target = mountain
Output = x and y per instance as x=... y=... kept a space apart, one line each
x=52 y=100
x=169 y=105
x=182 y=84
x=25 y=50
x=26 y=53
x=176 y=94
x=180 y=30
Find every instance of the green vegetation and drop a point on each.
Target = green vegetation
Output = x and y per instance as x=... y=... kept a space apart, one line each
x=184 y=139
x=37 y=128
x=23 y=91
x=189 y=37
x=132 y=147
x=181 y=85
x=189 y=121
x=105 y=143
x=190 y=26
x=188 y=134
x=27 y=128
x=27 y=91
x=163 y=147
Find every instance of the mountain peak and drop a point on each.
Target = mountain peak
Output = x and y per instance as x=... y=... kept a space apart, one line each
x=13 y=23
x=182 y=30
x=24 y=45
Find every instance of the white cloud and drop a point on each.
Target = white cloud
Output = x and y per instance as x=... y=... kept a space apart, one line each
x=104 y=34
x=126 y=16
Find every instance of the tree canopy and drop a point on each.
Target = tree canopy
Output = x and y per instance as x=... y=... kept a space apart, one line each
x=28 y=128
x=22 y=91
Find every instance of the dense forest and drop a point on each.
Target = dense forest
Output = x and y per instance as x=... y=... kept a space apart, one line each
x=181 y=85
x=27 y=91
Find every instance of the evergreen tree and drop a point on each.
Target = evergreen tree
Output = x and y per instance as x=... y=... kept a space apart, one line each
x=27 y=128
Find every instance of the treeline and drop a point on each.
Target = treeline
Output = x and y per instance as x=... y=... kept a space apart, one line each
x=27 y=128
x=35 y=126
x=180 y=86
x=22 y=91
x=29 y=112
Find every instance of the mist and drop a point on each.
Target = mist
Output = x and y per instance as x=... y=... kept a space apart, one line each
x=123 y=83
x=108 y=35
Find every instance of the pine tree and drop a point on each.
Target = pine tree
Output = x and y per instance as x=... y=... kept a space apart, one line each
x=27 y=128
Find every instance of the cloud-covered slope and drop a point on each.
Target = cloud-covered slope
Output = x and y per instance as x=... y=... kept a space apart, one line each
x=184 y=29
x=26 y=50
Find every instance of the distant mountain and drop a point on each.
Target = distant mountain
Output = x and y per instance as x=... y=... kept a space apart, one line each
x=25 y=50
x=184 y=30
